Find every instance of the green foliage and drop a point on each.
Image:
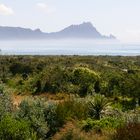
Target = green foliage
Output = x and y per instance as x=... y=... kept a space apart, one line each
x=33 y=85
x=97 y=106
x=117 y=78
x=131 y=84
x=6 y=106
x=58 y=114
x=74 y=108
x=124 y=103
x=11 y=129
x=20 y=68
x=107 y=123
x=128 y=104
x=86 y=79
x=53 y=118
x=33 y=111
x=111 y=76
x=56 y=79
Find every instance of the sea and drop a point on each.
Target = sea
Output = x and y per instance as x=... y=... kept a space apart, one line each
x=68 y=47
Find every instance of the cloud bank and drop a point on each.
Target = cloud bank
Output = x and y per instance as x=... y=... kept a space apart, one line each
x=5 y=10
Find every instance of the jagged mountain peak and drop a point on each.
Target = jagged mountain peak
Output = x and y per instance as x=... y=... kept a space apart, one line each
x=84 y=30
x=84 y=25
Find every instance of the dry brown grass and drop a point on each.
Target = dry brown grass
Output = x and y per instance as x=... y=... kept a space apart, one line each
x=17 y=99
x=71 y=131
x=130 y=131
x=55 y=97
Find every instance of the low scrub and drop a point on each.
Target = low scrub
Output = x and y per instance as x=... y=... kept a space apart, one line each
x=97 y=125
x=12 y=129
x=131 y=131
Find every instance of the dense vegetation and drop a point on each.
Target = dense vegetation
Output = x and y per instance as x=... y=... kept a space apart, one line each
x=69 y=97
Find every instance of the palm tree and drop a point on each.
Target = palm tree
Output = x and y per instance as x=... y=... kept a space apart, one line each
x=97 y=106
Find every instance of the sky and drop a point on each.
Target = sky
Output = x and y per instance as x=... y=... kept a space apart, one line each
x=118 y=17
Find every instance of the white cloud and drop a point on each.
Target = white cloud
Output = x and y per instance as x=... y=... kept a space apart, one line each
x=4 y=10
x=46 y=8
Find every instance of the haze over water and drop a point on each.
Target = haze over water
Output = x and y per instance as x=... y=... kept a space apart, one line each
x=68 y=47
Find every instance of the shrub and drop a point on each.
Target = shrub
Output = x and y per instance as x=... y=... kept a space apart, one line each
x=33 y=111
x=97 y=106
x=6 y=106
x=75 y=108
x=88 y=124
x=11 y=129
x=86 y=80
x=128 y=104
x=58 y=114
x=33 y=85
x=19 y=68
x=54 y=119
x=109 y=122
x=56 y=79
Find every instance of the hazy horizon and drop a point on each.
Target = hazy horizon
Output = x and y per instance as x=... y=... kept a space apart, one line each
x=119 y=18
x=68 y=47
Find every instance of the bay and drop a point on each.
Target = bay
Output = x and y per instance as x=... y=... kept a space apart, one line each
x=68 y=47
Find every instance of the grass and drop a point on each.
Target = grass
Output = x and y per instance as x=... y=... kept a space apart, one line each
x=72 y=131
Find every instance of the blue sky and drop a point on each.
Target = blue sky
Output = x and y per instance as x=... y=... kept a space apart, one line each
x=118 y=17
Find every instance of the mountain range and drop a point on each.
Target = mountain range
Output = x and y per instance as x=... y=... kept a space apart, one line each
x=82 y=31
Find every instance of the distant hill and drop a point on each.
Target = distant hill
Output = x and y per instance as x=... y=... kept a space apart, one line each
x=82 y=31
x=20 y=33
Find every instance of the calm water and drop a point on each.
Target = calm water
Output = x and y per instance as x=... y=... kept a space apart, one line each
x=61 y=47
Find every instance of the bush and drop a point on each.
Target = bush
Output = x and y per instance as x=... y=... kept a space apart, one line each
x=11 y=129
x=128 y=104
x=58 y=114
x=106 y=123
x=33 y=111
x=6 y=106
x=86 y=80
x=56 y=79
x=130 y=131
x=54 y=119
x=88 y=124
x=75 y=108
x=19 y=68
